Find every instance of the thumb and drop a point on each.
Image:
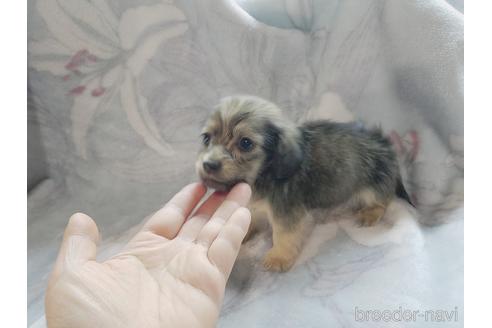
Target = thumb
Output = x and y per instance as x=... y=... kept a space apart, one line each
x=79 y=243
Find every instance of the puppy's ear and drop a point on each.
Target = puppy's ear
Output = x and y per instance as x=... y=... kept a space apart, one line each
x=284 y=150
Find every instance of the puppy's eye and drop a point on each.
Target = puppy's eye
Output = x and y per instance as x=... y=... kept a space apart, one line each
x=205 y=139
x=245 y=144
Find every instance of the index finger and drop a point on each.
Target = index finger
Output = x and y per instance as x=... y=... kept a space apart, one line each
x=167 y=221
x=238 y=196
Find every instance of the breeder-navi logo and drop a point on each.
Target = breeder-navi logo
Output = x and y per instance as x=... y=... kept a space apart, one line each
x=406 y=315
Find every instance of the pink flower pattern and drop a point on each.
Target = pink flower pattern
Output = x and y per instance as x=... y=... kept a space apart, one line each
x=78 y=62
x=407 y=149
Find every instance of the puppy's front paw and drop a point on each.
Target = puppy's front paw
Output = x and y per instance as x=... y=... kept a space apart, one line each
x=278 y=261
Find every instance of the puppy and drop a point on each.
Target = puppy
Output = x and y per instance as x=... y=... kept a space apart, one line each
x=293 y=170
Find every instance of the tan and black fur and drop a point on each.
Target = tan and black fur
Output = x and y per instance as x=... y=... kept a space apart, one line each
x=295 y=169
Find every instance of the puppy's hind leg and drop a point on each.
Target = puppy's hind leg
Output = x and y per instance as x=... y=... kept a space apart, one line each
x=289 y=234
x=370 y=216
x=371 y=207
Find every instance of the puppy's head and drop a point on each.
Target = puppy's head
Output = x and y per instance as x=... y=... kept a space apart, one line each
x=245 y=137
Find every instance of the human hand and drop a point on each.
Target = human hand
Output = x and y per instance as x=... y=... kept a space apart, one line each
x=171 y=274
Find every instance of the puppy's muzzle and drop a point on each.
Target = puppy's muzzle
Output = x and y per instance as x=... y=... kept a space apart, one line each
x=211 y=166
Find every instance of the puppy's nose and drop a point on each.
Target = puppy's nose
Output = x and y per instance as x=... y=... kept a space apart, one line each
x=212 y=166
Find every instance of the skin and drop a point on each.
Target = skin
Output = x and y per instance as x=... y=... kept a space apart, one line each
x=171 y=274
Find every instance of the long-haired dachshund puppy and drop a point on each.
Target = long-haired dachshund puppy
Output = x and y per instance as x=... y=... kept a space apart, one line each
x=294 y=169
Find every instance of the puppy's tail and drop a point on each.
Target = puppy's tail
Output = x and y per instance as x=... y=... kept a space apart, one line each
x=401 y=192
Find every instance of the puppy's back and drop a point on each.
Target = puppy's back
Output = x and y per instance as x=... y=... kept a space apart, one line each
x=349 y=157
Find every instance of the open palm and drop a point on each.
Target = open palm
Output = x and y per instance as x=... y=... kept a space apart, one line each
x=171 y=274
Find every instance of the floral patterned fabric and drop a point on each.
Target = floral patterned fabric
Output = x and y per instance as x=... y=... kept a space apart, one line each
x=120 y=90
